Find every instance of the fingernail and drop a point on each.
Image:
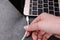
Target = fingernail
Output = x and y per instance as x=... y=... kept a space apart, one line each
x=25 y=27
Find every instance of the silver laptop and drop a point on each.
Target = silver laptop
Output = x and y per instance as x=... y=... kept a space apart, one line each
x=36 y=7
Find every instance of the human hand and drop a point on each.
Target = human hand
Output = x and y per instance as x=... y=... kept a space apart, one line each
x=47 y=22
x=35 y=34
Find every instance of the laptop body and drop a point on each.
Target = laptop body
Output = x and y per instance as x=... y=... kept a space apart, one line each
x=36 y=7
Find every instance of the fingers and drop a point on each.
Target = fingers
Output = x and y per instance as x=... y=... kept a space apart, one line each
x=46 y=36
x=40 y=35
x=32 y=27
x=34 y=35
x=27 y=33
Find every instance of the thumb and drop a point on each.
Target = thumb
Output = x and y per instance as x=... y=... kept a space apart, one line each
x=32 y=27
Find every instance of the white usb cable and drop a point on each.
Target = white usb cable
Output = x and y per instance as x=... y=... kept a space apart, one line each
x=27 y=20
